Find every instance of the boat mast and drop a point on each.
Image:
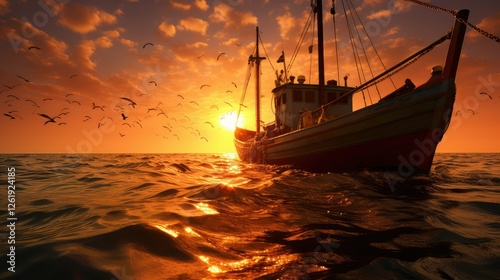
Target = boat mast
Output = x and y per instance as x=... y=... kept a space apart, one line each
x=257 y=59
x=321 y=56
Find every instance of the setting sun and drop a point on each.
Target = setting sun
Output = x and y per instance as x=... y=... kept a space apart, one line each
x=229 y=119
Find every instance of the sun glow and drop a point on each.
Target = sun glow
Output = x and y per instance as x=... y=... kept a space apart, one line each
x=228 y=120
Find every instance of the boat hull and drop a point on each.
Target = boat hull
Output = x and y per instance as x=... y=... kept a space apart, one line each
x=400 y=133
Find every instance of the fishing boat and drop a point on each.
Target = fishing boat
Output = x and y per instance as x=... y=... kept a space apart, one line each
x=315 y=126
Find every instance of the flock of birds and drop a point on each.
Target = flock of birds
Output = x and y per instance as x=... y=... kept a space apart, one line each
x=124 y=109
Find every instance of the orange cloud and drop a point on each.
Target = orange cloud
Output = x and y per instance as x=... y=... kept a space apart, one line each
x=4 y=7
x=286 y=23
x=83 y=19
x=231 y=18
x=490 y=24
x=167 y=29
x=180 y=6
x=201 y=4
x=193 y=24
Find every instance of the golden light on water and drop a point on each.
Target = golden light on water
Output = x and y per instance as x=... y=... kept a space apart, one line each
x=206 y=209
x=167 y=230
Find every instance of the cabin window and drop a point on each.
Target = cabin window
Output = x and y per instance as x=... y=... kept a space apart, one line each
x=309 y=96
x=297 y=95
x=331 y=96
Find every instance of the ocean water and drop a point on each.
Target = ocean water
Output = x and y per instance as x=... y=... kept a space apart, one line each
x=210 y=216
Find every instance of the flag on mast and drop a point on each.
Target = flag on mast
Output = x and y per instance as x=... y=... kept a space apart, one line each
x=282 y=58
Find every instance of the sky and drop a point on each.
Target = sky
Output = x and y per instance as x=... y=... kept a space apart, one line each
x=166 y=76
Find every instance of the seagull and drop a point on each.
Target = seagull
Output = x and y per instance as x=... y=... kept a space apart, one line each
x=138 y=123
x=234 y=84
x=96 y=107
x=49 y=118
x=219 y=56
x=176 y=136
x=11 y=117
x=204 y=138
x=200 y=56
x=152 y=109
x=124 y=117
x=26 y=80
x=74 y=75
x=486 y=94
x=167 y=128
x=214 y=106
x=207 y=122
x=456 y=114
x=194 y=102
x=33 y=47
x=74 y=101
x=129 y=100
x=179 y=104
x=3 y=90
x=62 y=123
x=10 y=95
x=34 y=103
x=205 y=86
x=187 y=118
x=229 y=91
x=180 y=96
x=472 y=111
x=143 y=46
x=228 y=104
x=121 y=135
x=47 y=99
x=127 y=124
x=153 y=82
x=11 y=87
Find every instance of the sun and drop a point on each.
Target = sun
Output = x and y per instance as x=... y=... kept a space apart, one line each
x=228 y=120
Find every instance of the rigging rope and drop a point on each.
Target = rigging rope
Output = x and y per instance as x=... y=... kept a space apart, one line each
x=245 y=86
x=454 y=14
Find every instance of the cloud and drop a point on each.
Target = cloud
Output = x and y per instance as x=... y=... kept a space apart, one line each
x=128 y=43
x=193 y=24
x=167 y=29
x=83 y=19
x=201 y=4
x=180 y=6
x=490 y=24
x=286 y=23
x=231 y=18
x=4 y=7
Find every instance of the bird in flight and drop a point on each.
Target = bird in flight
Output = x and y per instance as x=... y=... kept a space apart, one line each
x=124 y=117
x=34 y=103
x=33 y=47
x=205 y=86
x=153 y=82
x=74 y=75
x=167 y=128
x=121 y=135
x=204 y=138
x=220 y=56
x=143 y=46
x=228 y=104
x=11 y=95
x=486 y=94
x=26 y=80
x=131 y=102
x=194 y=102
x=207 y=122
x=97 y=107
x=10 y=116
x=180 y=96
x=472 y=111
x=214 y=106
x=49 y=118
x=234 y=84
